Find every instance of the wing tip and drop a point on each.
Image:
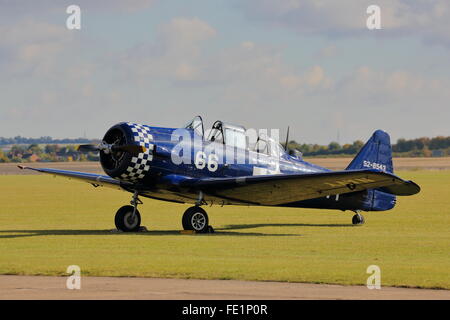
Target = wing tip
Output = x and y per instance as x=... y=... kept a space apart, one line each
x=415 y=188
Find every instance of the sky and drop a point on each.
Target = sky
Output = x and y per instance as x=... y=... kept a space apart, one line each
x=312 y=65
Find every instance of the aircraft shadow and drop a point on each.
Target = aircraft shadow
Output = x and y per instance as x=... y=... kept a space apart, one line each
x=59 y=232
x=260 y=225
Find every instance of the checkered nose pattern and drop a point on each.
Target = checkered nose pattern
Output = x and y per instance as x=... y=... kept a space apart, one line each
x=140 y=164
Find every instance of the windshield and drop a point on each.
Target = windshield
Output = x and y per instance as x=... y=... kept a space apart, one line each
x=268 y=146
x=236 y=136
x=196 y=124
x=229 y=134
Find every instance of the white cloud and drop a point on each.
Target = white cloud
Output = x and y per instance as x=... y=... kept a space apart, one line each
x=366 y=83
x=19 y=8
x=181 y=56
x=329 y=51
x=427 y=19
x=184 y=33
x=186 y=70
x=173 y=56
x=254 y=75
x=34 y=48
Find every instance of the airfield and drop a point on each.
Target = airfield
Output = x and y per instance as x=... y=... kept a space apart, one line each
x=47 y=224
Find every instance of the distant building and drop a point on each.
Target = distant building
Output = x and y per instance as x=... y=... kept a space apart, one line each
x=437 y=153
x=31 y=157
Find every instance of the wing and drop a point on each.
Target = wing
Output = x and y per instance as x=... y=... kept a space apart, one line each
x=97 y=180
x=282 y=189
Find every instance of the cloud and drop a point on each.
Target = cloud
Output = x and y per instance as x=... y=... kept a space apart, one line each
x=182 y=33
x=173 y=56
x=329 y=51
x=18 y=8
x=427 y=19
x=254 y=75
x=34 y=47
x=366 y=83
x=181 y=56
x=55 y=80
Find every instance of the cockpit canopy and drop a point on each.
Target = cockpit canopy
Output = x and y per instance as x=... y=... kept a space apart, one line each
x=237 y=136
x=196 y=124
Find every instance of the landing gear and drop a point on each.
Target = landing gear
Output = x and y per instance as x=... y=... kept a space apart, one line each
x=195 y=218
x=128 y=218
x=358 y=219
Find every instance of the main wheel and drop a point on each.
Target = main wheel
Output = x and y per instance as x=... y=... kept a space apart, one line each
x=358 y=219
x=195 y=218
x=125 y=221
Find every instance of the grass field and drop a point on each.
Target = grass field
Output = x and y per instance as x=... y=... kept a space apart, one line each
x=47 y=224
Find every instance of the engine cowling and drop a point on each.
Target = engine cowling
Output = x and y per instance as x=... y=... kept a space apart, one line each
x=125 y=165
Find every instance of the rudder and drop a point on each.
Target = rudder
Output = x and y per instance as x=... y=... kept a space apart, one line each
x=376 y=154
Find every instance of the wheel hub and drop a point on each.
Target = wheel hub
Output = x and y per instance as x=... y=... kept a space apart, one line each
x=198 y=221
x=130 y=220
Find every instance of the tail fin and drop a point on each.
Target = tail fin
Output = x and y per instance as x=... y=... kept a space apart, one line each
x=375 y=154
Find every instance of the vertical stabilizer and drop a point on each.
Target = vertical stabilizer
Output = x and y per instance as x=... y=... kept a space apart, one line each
x=375 y=154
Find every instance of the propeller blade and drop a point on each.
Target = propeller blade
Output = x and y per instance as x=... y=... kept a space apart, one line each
x=88 y=148
x=130 y=148
x=134 y=149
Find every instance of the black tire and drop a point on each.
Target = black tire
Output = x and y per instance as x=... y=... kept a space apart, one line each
x=124 y=221
x=195 y=218
x=358 y=219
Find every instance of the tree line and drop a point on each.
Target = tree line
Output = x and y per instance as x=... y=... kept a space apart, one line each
x=65 y=149
x=41 y=140
x=420 y=147
x=45 y=153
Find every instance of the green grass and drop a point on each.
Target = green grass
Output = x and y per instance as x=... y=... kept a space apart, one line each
x=47 y=224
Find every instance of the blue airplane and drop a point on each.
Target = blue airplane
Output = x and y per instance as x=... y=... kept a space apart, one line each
x=184 y=165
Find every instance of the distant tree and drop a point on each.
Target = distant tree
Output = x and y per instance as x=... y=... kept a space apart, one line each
x=42 y=140
x=52 y=148
x=439 y=143
x=16 y=151
x=334 y=146
x=3 y=157
x=15 y=159
x=71 y=148
x=403 y=145
x=34 y=148
x=358 y=144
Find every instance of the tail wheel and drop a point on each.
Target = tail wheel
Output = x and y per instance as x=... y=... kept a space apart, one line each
x=358 y=219
x=195 y=218
x=126 y=221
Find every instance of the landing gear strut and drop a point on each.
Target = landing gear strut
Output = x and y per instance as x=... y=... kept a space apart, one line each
x=128 y=218
x=358 y=218
x=196 y=219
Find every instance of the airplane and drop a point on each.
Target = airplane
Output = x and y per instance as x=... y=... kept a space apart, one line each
x=185 y=165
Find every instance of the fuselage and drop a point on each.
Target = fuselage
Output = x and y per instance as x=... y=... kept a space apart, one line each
x=179 y=153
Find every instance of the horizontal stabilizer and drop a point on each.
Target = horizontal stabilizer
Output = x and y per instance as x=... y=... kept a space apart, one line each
x=407 y=188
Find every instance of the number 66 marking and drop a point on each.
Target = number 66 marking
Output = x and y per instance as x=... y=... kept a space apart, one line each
x=201 y=163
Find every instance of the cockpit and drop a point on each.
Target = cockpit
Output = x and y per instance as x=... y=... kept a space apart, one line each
x=237 y=136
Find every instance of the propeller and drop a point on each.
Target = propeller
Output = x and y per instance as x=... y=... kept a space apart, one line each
x=287 y=139
x=88 y=148
x=108 y=148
